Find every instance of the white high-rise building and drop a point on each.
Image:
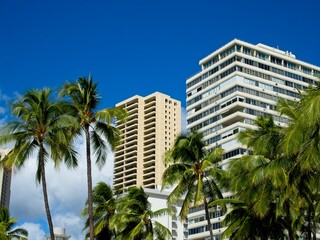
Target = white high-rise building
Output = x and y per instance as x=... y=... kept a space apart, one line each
x=59 y=234
x=158 y=200
x=237 y=83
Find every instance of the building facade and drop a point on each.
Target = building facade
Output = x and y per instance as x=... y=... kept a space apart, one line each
x=59 y=234
x=5 y=182
x=158 y=200
x=153 y=123
x=237 y=83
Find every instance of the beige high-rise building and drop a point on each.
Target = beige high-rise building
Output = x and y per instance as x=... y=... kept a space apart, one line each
x=154 y=122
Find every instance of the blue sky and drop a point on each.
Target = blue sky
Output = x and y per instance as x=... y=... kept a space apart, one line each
x=133 y=47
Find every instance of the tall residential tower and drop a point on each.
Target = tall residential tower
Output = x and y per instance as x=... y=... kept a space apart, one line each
x=153 y=123
x=237 y=83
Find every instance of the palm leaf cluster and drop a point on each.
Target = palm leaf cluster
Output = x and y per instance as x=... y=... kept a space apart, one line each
x=48 y=126
x=193 y=171
x=7 y=230
x=277 y=187
x=128 y=216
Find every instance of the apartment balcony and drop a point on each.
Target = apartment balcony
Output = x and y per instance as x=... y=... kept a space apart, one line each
x=149 y=167
x=149 y=138
x=132 y=164
x=130 y=105
x=118 y=166
x=149 y=120
x=132 y=110
x=149 y=125
x=118 y=176
x=131 y=159
x=150 y=135
x=150 y=183
x=151 y=110
x=132 y=117
x=131 y=148
x=119 y=152
x=235 y=107
x=117 y=182
x=130 y=173
x=147 y=149
x=120 y=126
x=132 y=122
x=232 y=119
x=131 y=128
x=149 y=114
x=128 y=182
x=148 y=131
x=149 y=102
x=118 y=179
x=148 y=175
x=149 y=157
x=119 y=155
x=118 y=172
x=129 y=136
x=149 y=141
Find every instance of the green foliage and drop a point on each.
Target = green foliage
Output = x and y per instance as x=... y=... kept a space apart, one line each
x=277 y=187
x=97 y=126
x=44 y=126
x=7 y=232
x=104 y=206
x=195 y=171
x=127 y=217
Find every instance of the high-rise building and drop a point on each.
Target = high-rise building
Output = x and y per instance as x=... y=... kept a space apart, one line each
x=237 y=83
x=158 y=200
x=59 y=234
x=153 y=123
x=5 y=182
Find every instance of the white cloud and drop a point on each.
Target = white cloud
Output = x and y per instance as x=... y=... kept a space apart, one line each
x=67 y=191
x=34 y=231
x=72 y=223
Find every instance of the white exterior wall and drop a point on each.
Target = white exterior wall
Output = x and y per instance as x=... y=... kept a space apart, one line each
x=158 y=200
x=238 y=82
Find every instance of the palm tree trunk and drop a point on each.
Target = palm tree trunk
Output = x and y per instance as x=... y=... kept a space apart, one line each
x=288 y=220
x=206 y=208
x=309 y=231
x=314 y=228
x=89 y=176
x=44 y=190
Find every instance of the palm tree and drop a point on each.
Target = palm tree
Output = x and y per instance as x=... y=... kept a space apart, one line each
x=302 y=140
x=43 y=126
x=195 y=171
x=262 y=181
x=6 y=227
x=263 y=204
x=95 y=125
x=104 y=206
x=242 y=223
x=135 y=220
